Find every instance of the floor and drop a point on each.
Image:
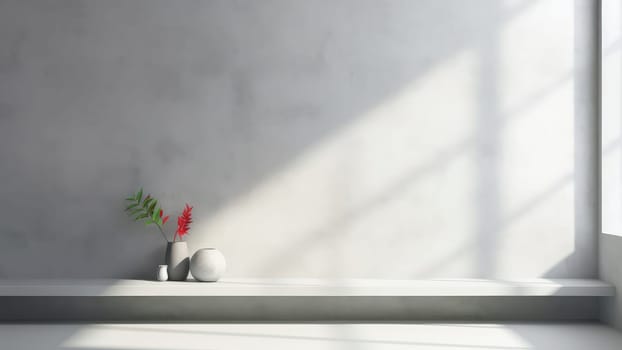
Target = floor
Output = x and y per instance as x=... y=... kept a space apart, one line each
x=310 y=336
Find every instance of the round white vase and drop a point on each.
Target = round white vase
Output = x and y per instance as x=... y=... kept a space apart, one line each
x=207 y=265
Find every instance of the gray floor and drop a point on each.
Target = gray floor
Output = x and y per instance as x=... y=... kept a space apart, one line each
x=310 y=336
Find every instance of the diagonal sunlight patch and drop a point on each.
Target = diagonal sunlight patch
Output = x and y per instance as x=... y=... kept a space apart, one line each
x=362 y=186
x=537 y=169
x=537 y=144
x=289 y=336
x=386 y=336
x=397 y=188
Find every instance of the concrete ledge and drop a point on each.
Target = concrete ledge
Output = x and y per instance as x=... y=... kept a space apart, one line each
x=308 y=287
x=301 y=300
x=301 y=309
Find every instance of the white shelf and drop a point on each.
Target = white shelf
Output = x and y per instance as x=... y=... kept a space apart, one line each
x=308 y=287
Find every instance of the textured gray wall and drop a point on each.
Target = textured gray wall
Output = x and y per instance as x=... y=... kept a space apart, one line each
x=315 y=138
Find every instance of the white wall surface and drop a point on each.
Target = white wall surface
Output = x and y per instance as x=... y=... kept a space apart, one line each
x=388 y=139
x=611 y=125
x=610 y=252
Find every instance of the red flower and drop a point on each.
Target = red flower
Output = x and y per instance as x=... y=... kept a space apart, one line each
x=183 y=222
x=164 y=219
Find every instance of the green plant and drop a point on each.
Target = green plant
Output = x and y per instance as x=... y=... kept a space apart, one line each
x=146 y=209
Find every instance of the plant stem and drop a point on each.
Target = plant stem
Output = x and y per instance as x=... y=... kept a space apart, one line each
x=162 y=232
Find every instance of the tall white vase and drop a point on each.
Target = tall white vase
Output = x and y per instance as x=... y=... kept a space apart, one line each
x=177 y=261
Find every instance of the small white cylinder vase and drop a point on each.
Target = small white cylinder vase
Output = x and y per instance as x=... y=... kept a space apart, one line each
x=207 y=265
x=162 y=274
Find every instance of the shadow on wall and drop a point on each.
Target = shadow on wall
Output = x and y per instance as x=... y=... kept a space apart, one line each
x=317 y=139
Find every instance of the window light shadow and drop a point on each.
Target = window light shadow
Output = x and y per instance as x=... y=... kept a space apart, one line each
x=312 y=336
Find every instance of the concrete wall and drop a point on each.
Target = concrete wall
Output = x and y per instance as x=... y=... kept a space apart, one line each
x=389 y=139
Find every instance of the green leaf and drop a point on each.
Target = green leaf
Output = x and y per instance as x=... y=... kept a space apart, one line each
x=139 y=208
x=151 y=210
x=136 y=211
x=141 y=216
x=131 y=206
x=133 y=212
x=147 y=202
x=155 y=214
